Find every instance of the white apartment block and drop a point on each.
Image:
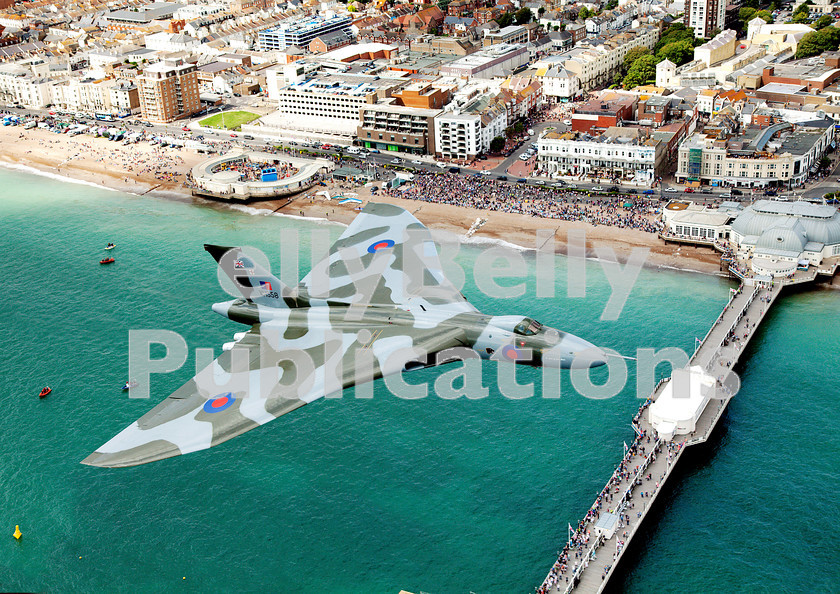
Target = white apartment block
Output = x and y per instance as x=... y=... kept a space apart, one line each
x=462 y=136
x=18 y=85
x=619 y=154
x=704 y=16
x=89 y=95
x=326 y=103
x=594 y=62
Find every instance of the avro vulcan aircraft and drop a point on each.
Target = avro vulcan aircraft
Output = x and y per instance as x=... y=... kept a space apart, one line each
x=376 y=306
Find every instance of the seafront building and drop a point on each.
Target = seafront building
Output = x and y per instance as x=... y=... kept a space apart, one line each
x=780 y=236
x=776 y=237
x=389 y=127
x=618 y=154
x=168 y=91
x=20 y=86
x=328 y=103
x=464 y=133
x=780 y=155
x=110 y=95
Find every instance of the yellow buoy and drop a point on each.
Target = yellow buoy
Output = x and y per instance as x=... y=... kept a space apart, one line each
x=17 y=533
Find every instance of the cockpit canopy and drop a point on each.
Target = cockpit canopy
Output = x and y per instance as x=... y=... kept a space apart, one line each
x=527 y=327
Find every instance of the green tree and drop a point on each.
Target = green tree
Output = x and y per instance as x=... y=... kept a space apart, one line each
x=832 y=36
x=633 y=55
x=505 y=20
x=823 y=22
x=750 y=3
x=641 y=72
x=519 y=127
x=584 y=13
x=745 y=15
x=541 y=11
x=676 y=32
x=800 y=17
x=523 y=16
x=817 y=42
x=679 y=52
x=497 y=144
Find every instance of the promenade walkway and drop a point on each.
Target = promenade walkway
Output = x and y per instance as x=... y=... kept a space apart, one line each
x=598 y=541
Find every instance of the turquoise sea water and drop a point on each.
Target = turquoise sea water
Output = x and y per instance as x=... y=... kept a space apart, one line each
x=376 y=495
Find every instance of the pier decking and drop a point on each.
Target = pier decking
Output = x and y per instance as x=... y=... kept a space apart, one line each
x=601 y=537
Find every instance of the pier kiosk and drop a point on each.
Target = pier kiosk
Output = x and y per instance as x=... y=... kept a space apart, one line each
x=606 y=525
x=683 y=399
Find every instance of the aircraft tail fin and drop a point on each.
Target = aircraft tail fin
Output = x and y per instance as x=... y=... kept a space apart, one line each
x=252 y=280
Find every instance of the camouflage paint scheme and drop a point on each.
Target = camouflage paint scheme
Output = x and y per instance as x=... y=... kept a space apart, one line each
x=376 y=306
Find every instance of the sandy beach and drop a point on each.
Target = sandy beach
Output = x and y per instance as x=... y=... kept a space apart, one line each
x=142 y=168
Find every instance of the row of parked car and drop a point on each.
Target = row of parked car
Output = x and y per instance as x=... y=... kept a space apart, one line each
x=531 y=152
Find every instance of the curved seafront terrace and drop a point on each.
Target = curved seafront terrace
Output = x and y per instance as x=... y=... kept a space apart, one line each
x=228 y=185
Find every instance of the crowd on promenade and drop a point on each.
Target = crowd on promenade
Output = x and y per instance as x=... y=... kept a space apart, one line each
x=553 y=203
x=576 y=552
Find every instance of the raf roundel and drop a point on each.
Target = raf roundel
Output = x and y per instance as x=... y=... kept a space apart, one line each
x=219 y=403
x=380 y=245
x=510 y=352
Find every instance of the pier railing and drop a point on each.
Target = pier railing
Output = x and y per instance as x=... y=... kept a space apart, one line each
x=733 y=294
x=626 y=480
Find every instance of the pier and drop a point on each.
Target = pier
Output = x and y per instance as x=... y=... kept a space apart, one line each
x=598 y=541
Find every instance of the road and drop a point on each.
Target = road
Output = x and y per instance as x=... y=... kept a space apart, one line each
x=375 y=163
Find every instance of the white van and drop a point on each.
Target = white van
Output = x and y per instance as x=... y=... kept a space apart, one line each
x=353 y=150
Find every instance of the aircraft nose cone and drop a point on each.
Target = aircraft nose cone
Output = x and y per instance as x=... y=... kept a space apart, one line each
x=221 y=308
x=586 y=354
x=574 y=352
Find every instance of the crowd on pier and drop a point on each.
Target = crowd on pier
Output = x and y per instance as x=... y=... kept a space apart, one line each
x=553 y=203
x=630 y=473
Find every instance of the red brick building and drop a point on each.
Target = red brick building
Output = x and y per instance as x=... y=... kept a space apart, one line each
x=596 y=115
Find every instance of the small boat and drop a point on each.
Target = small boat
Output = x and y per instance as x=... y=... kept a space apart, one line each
x=107 y=261
x=44 y=391
x=110 y=246
x=130 y=384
